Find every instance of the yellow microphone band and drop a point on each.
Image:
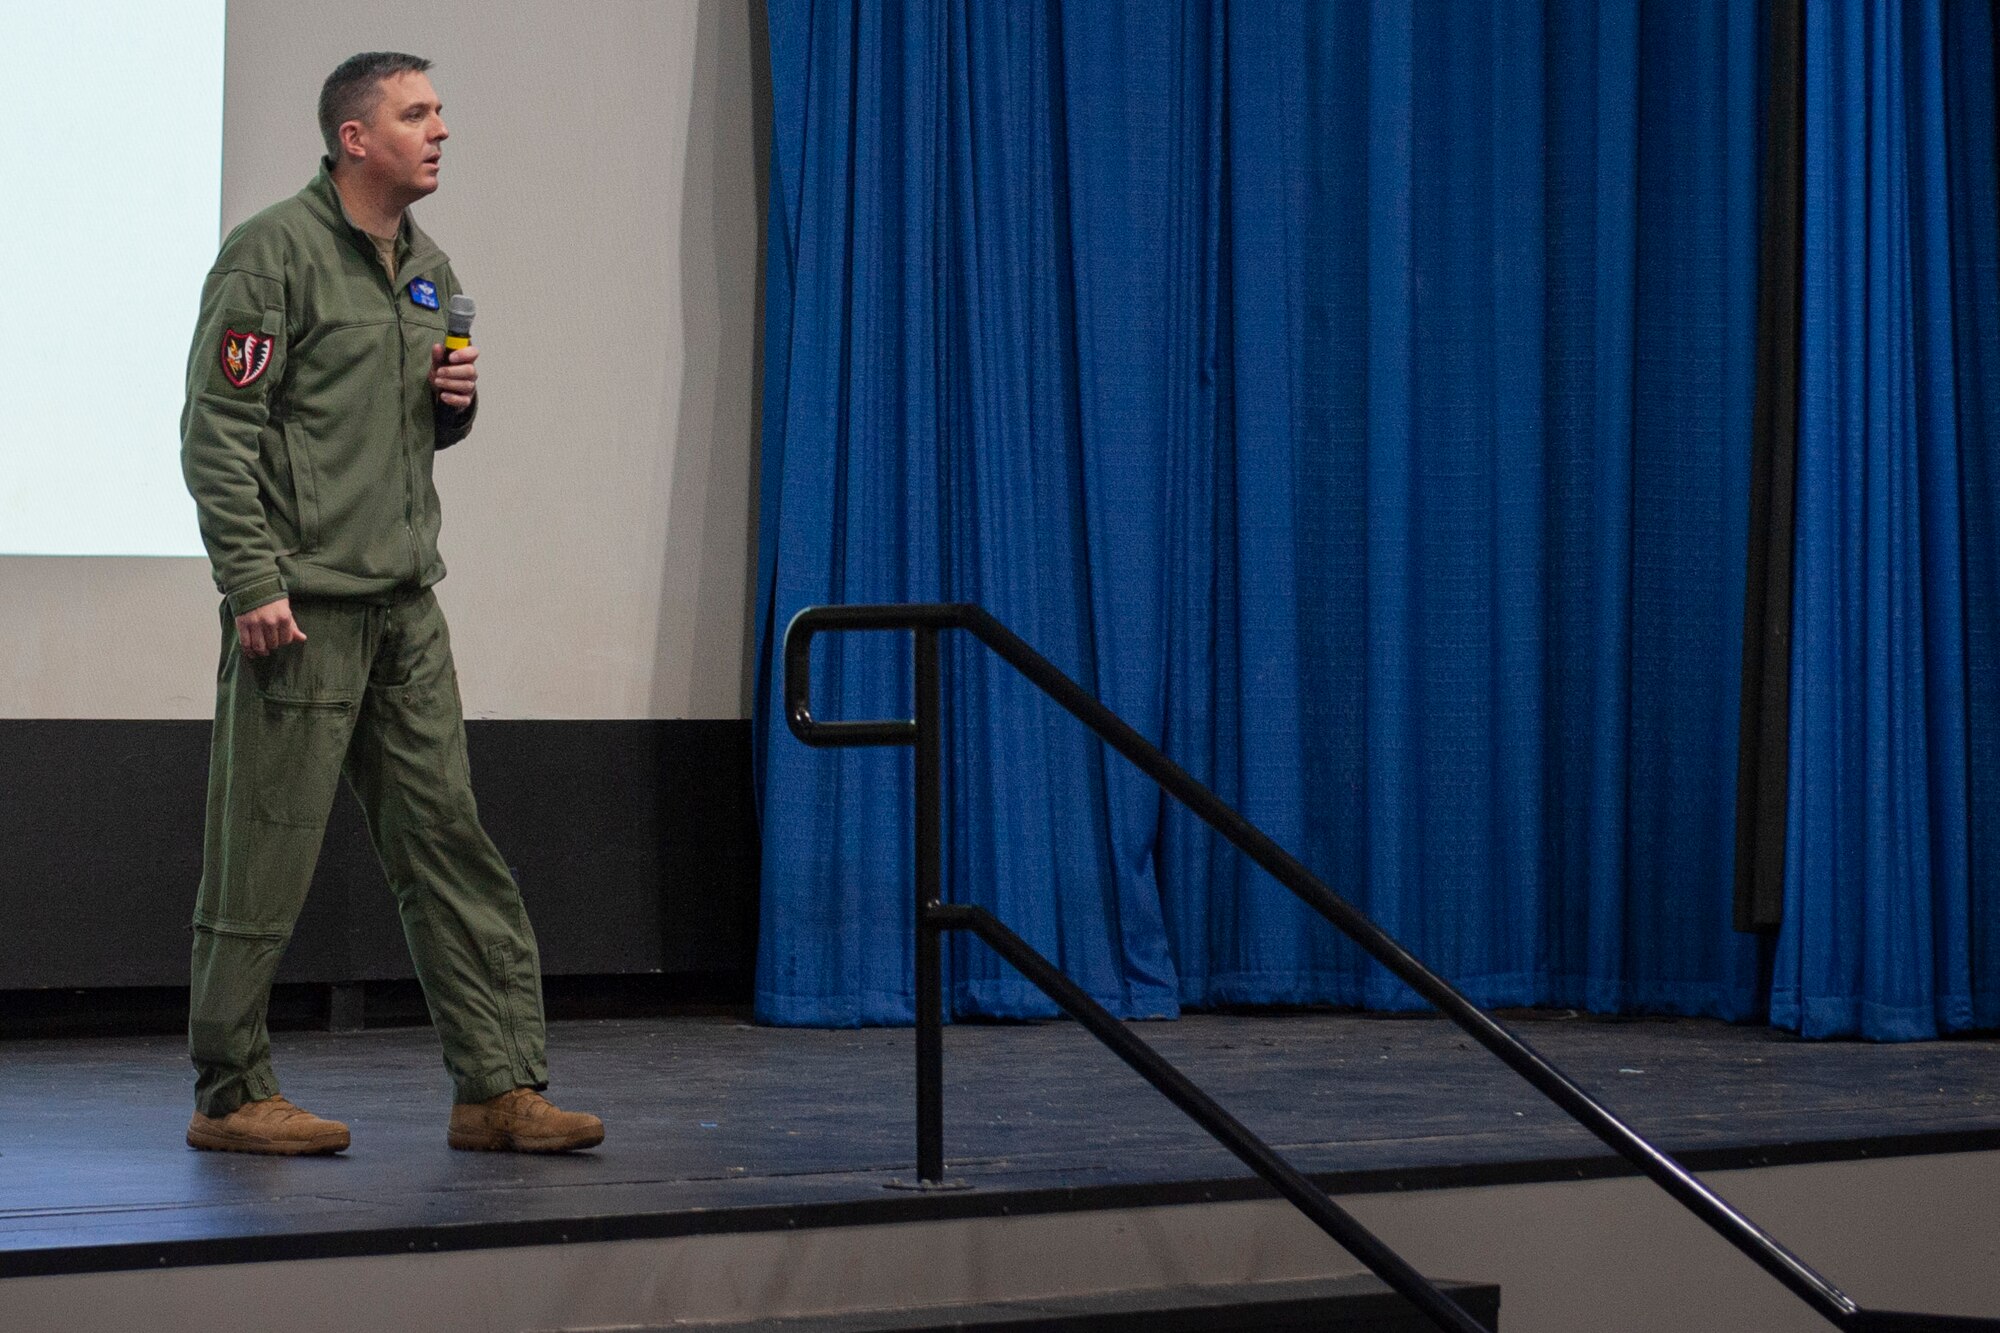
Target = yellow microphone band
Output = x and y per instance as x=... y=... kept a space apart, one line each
x=454 y=341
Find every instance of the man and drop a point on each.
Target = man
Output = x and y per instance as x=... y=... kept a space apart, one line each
x=318 y=389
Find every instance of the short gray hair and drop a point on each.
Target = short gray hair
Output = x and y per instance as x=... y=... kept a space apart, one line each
x=355 y=86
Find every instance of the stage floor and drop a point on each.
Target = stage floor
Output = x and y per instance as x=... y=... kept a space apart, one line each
x=718 y=1125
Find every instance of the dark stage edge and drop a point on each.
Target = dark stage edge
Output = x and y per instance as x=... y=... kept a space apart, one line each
x=715 y=1125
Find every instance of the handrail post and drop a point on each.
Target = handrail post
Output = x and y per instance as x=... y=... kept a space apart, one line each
x=930 y=887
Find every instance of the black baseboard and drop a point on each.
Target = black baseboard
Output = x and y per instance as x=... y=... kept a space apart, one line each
x=64 y=1013
x=634 y=842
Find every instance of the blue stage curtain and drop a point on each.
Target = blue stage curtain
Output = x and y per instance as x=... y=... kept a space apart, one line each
x=1357 y=398
x=1892 y=887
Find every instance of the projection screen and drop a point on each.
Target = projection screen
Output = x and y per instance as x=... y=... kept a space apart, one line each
x=111 y=126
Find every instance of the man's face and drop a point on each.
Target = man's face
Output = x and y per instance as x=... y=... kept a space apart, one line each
x=404 y=136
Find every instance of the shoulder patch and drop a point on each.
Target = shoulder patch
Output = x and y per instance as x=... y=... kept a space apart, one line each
x=424 y=292
x=244 y=357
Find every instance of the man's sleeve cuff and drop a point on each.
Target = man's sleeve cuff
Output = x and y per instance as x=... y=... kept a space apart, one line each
x=253 y=595
x=454 y=423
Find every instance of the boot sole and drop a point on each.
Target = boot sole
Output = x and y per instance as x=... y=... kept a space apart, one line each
x=493 y=1140
x=323 y=1146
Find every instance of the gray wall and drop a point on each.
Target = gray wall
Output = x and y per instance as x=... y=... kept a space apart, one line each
x=601 y=199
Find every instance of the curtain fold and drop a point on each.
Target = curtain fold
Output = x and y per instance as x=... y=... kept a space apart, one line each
x=1384 y=455
x=1891 y=890
x=1763 y=751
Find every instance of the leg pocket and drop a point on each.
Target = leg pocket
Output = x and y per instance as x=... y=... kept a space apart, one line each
x=299 y=747
x=409 y=764
x=416 y=749
x=297 y=719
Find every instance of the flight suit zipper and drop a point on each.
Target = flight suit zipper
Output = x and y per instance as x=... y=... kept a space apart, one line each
x=405 y=445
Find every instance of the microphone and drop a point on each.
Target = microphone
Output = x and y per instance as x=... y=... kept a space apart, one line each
x=458 y=324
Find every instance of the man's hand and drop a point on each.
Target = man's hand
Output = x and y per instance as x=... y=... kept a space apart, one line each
x=453 y=378
x=268 y=628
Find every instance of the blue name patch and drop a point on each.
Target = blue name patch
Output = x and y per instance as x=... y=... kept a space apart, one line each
x=424 y=292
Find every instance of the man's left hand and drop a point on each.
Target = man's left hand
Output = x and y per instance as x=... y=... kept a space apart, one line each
x=453 y=377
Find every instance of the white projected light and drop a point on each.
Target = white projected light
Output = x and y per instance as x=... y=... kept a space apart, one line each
x=111 y=132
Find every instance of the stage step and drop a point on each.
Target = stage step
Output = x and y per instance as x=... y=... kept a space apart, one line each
x=1355 y=1304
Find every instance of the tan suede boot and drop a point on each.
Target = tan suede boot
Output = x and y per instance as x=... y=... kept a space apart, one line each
x=521 y=1121
x=273 y=1126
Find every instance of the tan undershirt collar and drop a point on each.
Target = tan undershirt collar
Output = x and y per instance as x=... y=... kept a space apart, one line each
x=385 y=250
x=385 y=246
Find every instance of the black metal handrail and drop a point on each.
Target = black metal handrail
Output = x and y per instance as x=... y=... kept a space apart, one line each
x=933 y=916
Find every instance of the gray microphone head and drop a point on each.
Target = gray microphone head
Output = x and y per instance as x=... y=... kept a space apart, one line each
x=458 y=320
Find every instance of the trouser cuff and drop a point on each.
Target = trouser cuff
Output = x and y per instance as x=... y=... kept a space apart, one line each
x=218 y=1092
x=467 y=1091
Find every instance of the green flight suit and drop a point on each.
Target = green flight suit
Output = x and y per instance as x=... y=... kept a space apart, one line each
x=307 y=443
